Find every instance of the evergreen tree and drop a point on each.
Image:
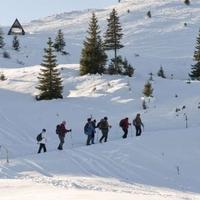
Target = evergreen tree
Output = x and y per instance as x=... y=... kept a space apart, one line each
x=2 y=77
x=161 y=72
x=149 y=14
x=187 y=2
x=59 y=43
x=195 y=72
x=50 y=83
x=124 y=68
x=15 y=43
x=128 y=69
x=93 y=57
x=2 y=44
x=148 y=90
x=113 y=35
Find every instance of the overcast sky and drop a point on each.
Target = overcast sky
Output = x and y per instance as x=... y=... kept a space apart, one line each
x=27 y=10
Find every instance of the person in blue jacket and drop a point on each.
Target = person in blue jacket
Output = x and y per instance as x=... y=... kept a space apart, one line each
x=89 y=130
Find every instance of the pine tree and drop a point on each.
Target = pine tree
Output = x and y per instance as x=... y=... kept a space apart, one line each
x=93 y=57
x=187 y=2
x=161 y=72
x=148 y=90
x=2 y=44
x=195 y=72
x=50 y=83
x=124 y=68
x=15 y=43
x=149 y=14
x=113 y=35
x=128 y=69
x=59 y=43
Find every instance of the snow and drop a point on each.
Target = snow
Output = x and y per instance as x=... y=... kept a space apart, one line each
x=161 y=164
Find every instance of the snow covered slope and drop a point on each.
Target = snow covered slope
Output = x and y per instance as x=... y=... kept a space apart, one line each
x=160 y=40
x=136 y=167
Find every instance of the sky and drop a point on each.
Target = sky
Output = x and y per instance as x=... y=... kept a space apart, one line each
x=27 y=10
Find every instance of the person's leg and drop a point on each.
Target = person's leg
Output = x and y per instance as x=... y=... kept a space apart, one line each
x=44 y=147
x=88 y=140
x=101 y=137
x=40 y=148
x=105 y=136
x=92 y=139
x=61 y=138
x=125 y=133
x=139 y=130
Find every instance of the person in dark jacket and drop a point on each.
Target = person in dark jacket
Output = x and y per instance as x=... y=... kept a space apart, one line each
x=124 y=125
x=89 y=131
x=137 y=122
x=104 y=127
x=43 y=141
x=61 y=134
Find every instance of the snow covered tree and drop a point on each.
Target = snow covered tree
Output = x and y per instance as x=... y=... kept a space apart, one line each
x=148 y=90
x=15 y=43
x=59 y=43
x=50 y=82
x=2 y=44
x=113 y=35
x=187 y=2
x=93 y=56
x=161 y=72
x=195 y=71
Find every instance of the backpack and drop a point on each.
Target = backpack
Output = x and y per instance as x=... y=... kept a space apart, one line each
x=103 y=124
x=58 y=129
x=121 y=123
x=39 y=137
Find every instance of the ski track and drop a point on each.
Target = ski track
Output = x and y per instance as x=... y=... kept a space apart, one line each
x=106 y=186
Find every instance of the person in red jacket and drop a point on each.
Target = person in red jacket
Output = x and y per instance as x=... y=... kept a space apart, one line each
x=61 y=134
x=124 y=125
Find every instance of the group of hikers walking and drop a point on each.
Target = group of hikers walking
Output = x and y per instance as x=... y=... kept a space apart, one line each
x=90 y=130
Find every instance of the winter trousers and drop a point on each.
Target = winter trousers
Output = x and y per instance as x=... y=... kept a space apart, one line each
x=62 y=141
x=89 y=139
x=93 y=137
x=104 y=135
x=125 y=132
x=42 y=146
x=138 y=130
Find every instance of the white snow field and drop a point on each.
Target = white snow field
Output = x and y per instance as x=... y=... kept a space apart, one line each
x=161 y=164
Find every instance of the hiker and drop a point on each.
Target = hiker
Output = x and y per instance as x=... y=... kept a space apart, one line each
x=104 y=127
x=42 y=141
x=93 y=133
x=137 y=122
x=89 y=130
x=124 y=124
x=61 y=131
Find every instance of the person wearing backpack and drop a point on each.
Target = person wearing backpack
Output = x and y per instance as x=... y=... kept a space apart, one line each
x=89 y=131
x=42 y=139
x=104 y=127
x=61 y=131
x=137 y=122
x=124 y=124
